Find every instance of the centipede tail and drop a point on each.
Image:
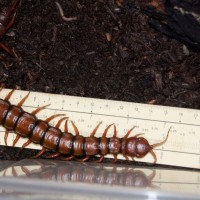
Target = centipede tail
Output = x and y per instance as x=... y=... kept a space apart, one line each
x=64 y=144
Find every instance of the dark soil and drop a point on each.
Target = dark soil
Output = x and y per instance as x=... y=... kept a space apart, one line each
x=109 y=52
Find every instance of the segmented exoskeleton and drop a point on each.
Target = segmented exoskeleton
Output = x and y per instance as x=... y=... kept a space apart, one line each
x=65 y=145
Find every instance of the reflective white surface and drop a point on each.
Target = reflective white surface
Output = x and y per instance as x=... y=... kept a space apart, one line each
x=52 y=179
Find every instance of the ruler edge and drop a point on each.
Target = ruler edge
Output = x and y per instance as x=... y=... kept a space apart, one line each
x=99 y=99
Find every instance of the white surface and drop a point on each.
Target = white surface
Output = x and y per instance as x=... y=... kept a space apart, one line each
x=43 y=179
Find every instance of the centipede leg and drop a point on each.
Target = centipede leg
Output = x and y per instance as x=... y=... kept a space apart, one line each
x=16 y=140
x=75 y=128
x=23 y=100
x=26 y=144
x=40 y=153
x=25 y=170
x=114 y=136
x=6 y=137
x=53 y=116
x=66 y=126
x=132 y=158
x=8 y=50
x=115 y=132
x=115 y=158
x=100 y=159
x=9 y=95
x=55 y=155
x=95 y=130
x=127 y=158
x=128 y=133
x=60 y=121
x=34 y=112
x=67 y=158
x=154 y=156
x=83 y=159
x=106 y=130
x=14 y=172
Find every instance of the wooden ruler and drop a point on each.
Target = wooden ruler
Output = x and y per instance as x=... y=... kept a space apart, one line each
x=181 y=149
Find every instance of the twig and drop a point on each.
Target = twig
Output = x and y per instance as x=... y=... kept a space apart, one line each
x=67 y=19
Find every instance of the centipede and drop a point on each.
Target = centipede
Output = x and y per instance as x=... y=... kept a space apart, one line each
x=65 y=145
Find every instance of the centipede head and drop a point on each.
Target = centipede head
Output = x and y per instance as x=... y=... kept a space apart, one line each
x=137 y=147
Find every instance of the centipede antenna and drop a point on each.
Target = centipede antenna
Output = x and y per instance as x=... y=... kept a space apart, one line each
x=163 y=142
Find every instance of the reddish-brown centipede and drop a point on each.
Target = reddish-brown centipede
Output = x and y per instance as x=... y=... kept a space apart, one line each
x=65 y=145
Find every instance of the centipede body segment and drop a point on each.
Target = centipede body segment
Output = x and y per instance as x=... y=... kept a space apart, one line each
x=64 y=144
